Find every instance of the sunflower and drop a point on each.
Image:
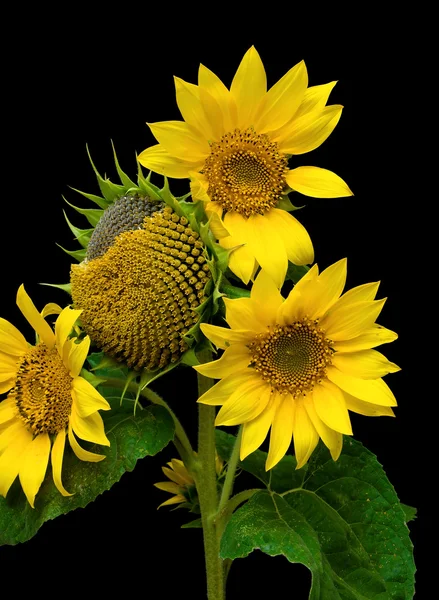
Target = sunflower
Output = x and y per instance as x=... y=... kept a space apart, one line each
x=181 y=483
x=47 y=399
x=235 y=144
x=299 y=364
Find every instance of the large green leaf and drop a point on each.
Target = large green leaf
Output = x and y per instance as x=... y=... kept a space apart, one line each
x=131 y=437
x=342 y=520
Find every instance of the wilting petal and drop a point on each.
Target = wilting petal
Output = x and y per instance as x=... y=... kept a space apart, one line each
x=57 y=458
x=89 y=428
x=77 y=355
x=34 y=318
x=80 y=452
x=174 y=500
x=317 y=183
x=168 y=486
x=86 y=398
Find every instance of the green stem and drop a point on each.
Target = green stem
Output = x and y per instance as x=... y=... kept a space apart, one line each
x=231 y=471
x=206 y=481
x=181 y=440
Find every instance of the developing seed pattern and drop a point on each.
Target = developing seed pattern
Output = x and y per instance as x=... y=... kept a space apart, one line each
x=138 y=299
x=246 y=172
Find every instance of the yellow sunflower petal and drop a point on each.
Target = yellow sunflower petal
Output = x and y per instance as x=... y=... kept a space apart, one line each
x=281 y=431
x=315 y=98
x=241 y=261
x=265 y=292
x=242 y=313
x=255 y=431
x=211 y=83
x=282 y=100
x=221 y=391
x=236 y=357
x=360 y=293
x=294 y=236
x=157 y=159
x=168 y=486
x=365 y=364
x=322 y=291
x=86 y=398
x=12 y=341
x=304 y=434
x=244 y=404
x=317 y=183
x=10 y=432
x=214 y=114
x=330 y=406
x=34 y=465
x=63 y=327
x=180 y=140
x=199 y=187
x=180 y=469
x=375 y=391
x=11 y=459
x=223 y=337
x=57 y=458
x=333 y=440
x=8 y=410
x=51 y=309
x=77 y=355
x=346 y=322
x=34 y=318
x=311 y=130
x=89 y=428
x=367 y=408
x=293 y=307
x=189 y=104
x=5 y=386
x=375 y=336
x=174 y=500
x=80 y=452
x=248 y=87
x=8 y=366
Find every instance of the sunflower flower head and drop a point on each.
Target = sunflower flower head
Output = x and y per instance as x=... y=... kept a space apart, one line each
x=298 y=365
x=46 y=401
x=182 y=484
x=234 y=144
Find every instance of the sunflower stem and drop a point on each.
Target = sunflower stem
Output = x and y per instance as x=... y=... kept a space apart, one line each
x=206 y=482
x=231 y=471
x=181 y=440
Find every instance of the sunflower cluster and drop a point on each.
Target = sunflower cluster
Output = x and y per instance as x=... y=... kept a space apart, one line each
x=154 y=270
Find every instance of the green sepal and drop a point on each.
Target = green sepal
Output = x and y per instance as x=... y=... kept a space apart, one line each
x=189 y=358
x=92 y=378
x=108 y=366
x=101 y=202
x=295 y=272
x=78 y=255
x=167 y=196
x=125 y=180
x=131 y=438
x=81 y=235
x=195 y=524
x=111 y=191
x=286 y=204
x=65 y=287
x=146 y=186
x=93 y=215
x=148 y=377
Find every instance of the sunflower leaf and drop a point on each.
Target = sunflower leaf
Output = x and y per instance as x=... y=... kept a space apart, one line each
x=131 y=438
x=340 y=519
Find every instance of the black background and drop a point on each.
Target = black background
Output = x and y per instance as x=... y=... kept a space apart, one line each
x=90 y=84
